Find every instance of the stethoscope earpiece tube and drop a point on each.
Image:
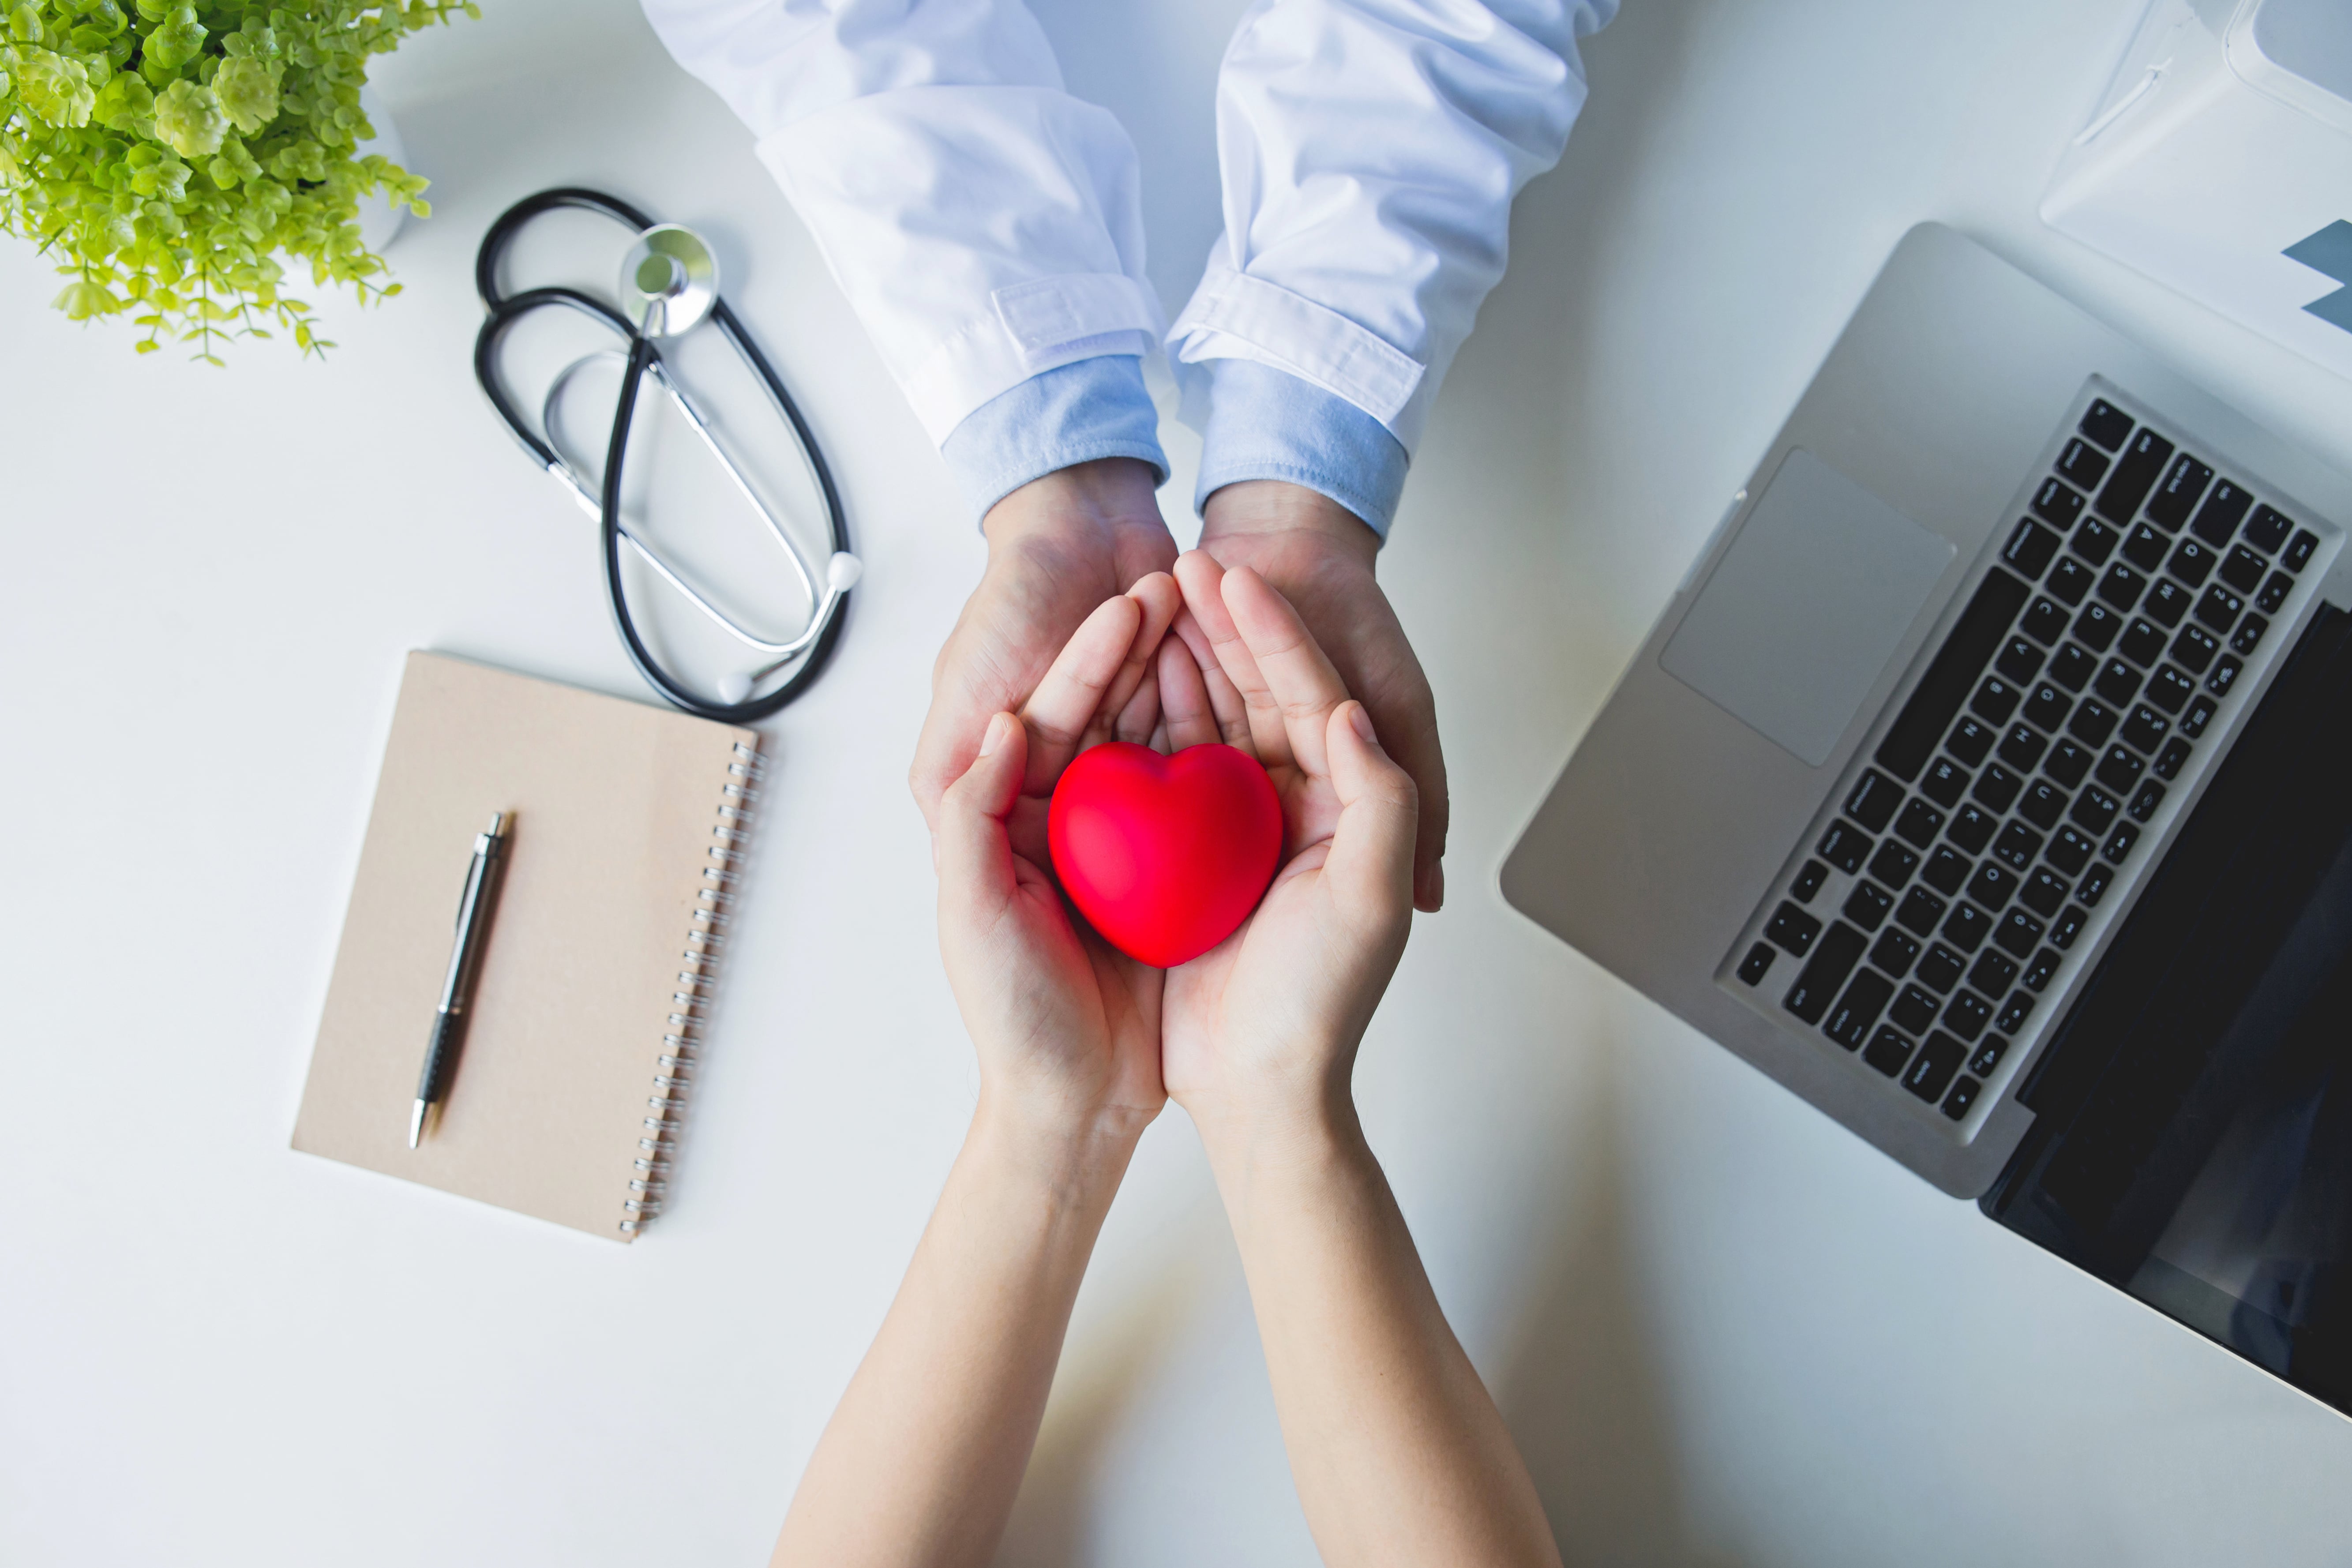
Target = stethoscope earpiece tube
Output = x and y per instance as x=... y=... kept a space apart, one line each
x=501 y=311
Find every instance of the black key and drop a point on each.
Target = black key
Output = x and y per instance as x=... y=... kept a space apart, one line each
x=2299 y=551
x=1919 y=822
x=2143 y=803
x=2094 y=541
x=1859 y=1008
x=1809 y=879
x=2070 y=851
x=1759 y=961
x=1993 y=886
x=2045 y=623
x=2136 y=474
x=2144 y=728
x=2020 y=660
x=2023 y=745
x=2017 y=845
x=2047 y=708
x=1995 y=701
x=2106 y=424
x=2218 y=518
x=2013 y=1016
x=1989 y=1054
x=2225 y=675
x=1845 y=846
x=2092 y=722
x=2044 y=892
x=2095 y=808
x=1953 y=674
x=2018 y=932
x=2144 y=548
x=1945 y=781
x=2121 y=587
x=2192 y=562
x=2167 y=689
x=2194 y=649
x=1914 y=1010
x=1873 y=800
x=1967 y=1014
x=1887 y=1051
x=2183 y=483
x=2093 y=886
x=2060 y=504
x=2119 y=843
x=1969 y=741
x=1967 y=927
x=2030 y=547
x=2143 y=643
x=1893 y=864
x=1894 y=952
x=2067 y=763
x=2039 y=973
x=1869 y=905
x=1793 y=929
x=2249 y=635
x=2220 y=608
x=2274 y=593
x=2118 y=683
x=1931 y=1071
x=1997 y=786
x=2172 y=759
x=1971 y=829
x=2068 y=926
x=1946 y=869
x=2166 y=603
x=1942 y=967
x=2084 y=464
x=2070 y=580
x=1840 y=949
x=2044 y=803
x=1919 y=911
x=2073 y=666
x=2096 y=627
x=2268 y=529
x=1992 y=972
x=2119 y=769
x=2242 y=569
x=2199 y=714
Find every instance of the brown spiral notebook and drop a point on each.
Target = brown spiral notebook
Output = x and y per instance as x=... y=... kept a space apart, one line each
x=625 y=822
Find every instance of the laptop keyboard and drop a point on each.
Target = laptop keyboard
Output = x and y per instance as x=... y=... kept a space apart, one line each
x=1998 y=820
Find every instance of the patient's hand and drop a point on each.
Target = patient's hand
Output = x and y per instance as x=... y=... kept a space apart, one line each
x=1067 y=1030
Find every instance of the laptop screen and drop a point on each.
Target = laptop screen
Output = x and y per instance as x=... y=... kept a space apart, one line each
x=2193 y=1139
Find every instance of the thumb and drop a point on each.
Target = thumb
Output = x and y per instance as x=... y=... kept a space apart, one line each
x=1369 y=866
x=968 y=845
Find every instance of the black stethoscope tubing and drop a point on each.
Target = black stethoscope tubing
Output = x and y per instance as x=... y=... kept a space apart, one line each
x=503 y=310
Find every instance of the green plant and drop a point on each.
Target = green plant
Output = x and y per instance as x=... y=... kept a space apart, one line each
x=168 y=152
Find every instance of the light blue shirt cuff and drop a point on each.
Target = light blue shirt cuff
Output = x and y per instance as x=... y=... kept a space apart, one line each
x=1268 y=424
x=1077 y=412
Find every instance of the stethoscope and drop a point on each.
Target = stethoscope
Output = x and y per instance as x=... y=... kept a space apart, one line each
x=669 y=284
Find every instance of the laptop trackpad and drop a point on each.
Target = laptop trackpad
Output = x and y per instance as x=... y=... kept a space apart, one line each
x=1803 y=611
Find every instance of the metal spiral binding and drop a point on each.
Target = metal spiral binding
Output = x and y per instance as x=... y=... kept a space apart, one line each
x=681 y=1041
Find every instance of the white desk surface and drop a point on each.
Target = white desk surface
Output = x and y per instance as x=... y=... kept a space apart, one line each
x=1727 y=1332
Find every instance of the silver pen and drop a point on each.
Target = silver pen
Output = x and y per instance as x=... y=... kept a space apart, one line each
x=457 y=986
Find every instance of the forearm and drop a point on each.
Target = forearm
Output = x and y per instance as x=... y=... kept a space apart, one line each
x=920 y=1462
x=1398 y=1451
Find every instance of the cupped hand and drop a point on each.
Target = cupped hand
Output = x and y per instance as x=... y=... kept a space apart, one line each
x=1067 y=1028
x=1259 y=1034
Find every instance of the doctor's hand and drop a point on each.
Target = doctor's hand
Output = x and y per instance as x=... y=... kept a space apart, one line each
x=1319 y=556
x=1067 y=1028
x=1259 y=1034
x=1057 y=547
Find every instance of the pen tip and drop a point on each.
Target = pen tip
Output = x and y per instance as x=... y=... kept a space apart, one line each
x=497 y=823
x=415 y=1124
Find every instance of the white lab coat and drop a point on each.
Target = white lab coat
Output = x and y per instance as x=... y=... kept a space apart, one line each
x=986 y=225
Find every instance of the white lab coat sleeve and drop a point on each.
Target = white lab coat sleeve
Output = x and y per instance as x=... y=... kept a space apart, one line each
x=986 y=224
x=1371 y=149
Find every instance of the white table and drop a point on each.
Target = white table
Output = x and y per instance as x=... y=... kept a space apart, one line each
x=1727 y=1332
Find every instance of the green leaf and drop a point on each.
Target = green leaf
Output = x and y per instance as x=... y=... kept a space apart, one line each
x=82 y=301
x=189 y=117
x=55 y=88
x=247 y=90
x=125 y=103
x=178 y=40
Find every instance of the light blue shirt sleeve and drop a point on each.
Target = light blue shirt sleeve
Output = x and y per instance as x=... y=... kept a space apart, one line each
x=1266 y=423
x=1074 y=412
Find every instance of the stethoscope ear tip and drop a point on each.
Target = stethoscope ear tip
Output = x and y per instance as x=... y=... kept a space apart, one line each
x=734 y=686
x=843 y=571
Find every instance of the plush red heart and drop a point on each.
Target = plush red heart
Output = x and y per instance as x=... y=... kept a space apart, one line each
x=1164 y=856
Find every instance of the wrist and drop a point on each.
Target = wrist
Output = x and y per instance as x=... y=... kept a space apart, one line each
x=1244 y=522
x=1096 y=499
x=1260 y=1154
x=1074 y=1164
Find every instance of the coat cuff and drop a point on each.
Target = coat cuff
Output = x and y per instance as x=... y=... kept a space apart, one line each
x=1266 y=423
x=1075 y=413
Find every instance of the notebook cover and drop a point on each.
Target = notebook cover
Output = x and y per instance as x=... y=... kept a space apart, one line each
x=613 y=808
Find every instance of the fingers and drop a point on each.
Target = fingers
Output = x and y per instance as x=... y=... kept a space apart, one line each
x=1228 y=711
x=974 y=856
x=1099 y=678
x=1184 y=697
x=1159 y=597
x=1298 y=683
x=1204 y=579
x=1369 y=869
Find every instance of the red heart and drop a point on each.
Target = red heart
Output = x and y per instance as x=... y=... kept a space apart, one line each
x=1164 y=856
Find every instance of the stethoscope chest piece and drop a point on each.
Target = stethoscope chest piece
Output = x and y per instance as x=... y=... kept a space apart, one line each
x=670 y=281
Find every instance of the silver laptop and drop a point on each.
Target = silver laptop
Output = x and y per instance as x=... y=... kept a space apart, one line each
x=1876 y=802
